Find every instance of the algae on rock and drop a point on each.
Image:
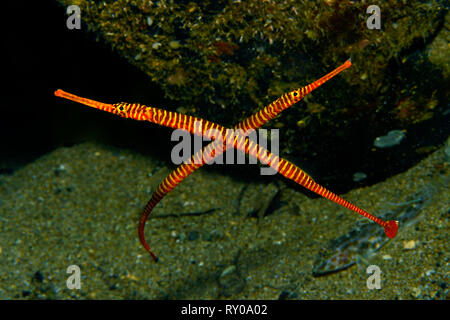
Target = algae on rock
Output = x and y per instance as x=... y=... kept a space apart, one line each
x=222 y=60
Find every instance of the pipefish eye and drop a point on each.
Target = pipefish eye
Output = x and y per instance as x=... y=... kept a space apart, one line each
x=121 y=107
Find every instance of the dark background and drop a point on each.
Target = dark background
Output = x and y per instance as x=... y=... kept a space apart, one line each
x=43 y=55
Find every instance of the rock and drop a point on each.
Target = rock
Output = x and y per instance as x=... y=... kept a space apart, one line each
x=430 y=272
x=174 y=44
x=416 y=292
x=393 y=138
x=156 y=45
x=359 y=176
x=408 y=245
x=229 y=270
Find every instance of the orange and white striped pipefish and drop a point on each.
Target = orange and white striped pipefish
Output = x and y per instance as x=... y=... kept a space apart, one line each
x=209 y=130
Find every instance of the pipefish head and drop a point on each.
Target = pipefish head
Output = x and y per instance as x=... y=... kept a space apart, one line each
x=122 y=109
x=132 y=110
x=296 y=95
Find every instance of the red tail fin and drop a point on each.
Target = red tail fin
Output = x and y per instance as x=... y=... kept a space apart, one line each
x=391 y=228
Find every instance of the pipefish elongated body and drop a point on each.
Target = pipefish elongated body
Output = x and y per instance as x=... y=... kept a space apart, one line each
x=239 y=140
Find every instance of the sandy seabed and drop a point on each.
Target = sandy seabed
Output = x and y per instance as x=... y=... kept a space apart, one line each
x=81 y=206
